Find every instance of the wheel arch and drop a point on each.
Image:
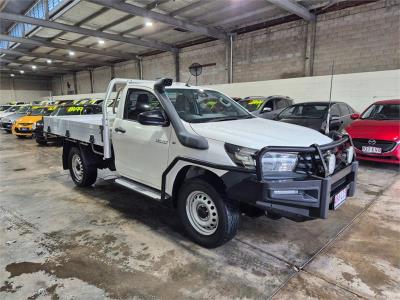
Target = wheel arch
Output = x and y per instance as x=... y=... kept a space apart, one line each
x=193 y=171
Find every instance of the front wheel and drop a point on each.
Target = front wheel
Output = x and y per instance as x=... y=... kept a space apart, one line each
x=206 y=217
x=81 y=172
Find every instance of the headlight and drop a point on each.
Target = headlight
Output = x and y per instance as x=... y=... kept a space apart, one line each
x=14 y=122
x=33 y=126
x=39 y=123
x=279 y=162
x=242 y=156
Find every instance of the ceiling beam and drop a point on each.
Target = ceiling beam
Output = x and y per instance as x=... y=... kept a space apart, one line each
x=20 y=52
x=294 y=8
x=143 y=12
x=88 y=32
x=34 y=42
x=28 y=70
x=29 y=63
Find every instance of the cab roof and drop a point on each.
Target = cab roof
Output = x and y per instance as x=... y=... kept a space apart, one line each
x=150 y=84
x=392 y=101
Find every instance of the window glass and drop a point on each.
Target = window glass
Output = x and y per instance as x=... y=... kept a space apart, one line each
x=382 y=112
x=312 y=111
x=198 y=106
x=344 y=109
x=280 y=103
x=252 y=104
x=138 y=101
x=335 y=110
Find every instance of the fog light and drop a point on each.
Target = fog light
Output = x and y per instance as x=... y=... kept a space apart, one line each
x=286 y=192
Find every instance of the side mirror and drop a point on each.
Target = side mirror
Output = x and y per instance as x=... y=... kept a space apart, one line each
x=153 y=117
x=355 y=116
x=266 y=109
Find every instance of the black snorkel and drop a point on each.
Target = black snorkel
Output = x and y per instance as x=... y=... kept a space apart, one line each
x=185 y=137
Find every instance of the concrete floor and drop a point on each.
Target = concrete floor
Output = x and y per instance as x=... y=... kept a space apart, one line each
x=61 y=242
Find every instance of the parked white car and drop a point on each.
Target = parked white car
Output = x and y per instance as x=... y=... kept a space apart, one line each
x=209 y=155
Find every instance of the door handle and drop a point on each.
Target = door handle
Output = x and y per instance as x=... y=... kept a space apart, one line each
x=120 y=129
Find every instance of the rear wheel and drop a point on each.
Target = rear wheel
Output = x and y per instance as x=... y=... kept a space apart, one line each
x=81 y=172
x=41 y=141
x=206 y=217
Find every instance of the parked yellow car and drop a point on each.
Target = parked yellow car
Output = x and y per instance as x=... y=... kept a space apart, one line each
x=23 y=127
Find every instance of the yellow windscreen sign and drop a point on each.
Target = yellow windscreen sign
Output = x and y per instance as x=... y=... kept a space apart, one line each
x=256 y=102
x=50 y=108
x=75 y=109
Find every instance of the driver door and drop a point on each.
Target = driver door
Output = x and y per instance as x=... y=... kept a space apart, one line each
x=141 y=151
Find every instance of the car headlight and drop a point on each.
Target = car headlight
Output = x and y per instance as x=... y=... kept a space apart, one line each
x=39 y=123
x=33 y=126
x=279 y=162
x=242 y=156
x=14 y=122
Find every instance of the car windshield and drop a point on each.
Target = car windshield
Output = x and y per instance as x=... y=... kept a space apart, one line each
x=198 y=106
x=23 y=109
x=12 y=108
x=252 y=104
x=37 y=111
x=47 y=111
x=382 y=112
x=312 y=111
x=4 y=107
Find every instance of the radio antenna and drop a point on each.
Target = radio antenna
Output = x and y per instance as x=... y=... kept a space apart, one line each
x=187 y=82
x=328 y=117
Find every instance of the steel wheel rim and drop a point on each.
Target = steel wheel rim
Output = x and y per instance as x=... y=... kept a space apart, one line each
x=77 y=167
x=202 y=213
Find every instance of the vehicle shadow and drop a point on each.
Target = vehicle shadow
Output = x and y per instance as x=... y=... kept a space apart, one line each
x=380 y=166
x=134 y=206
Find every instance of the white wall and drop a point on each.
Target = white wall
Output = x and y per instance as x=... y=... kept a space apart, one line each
x=22 y=95
x=357 y=89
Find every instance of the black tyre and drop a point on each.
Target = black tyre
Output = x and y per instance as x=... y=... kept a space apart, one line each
x=81 y=173
x=206 y=217
x=41 y=141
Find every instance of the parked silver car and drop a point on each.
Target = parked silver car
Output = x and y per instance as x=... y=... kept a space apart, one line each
x=6 y=122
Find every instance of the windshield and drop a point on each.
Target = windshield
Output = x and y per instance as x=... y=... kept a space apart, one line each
x=382 y=112
x=252 y=104
x=312 y=111
x=12 y=109
x=37 y=111
x=23 y=109
x=198 y=106
x=4 y=107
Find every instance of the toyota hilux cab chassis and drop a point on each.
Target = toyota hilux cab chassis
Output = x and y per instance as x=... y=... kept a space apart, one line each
x=211 y=162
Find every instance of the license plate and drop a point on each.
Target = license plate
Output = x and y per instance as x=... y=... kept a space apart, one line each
x=370 y=149
x=339 y=198
x=24 y=129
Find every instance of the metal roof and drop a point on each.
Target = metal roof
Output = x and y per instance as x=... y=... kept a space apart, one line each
x=122 y=27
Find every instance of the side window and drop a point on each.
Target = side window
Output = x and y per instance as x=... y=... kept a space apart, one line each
x=270 y=104
x=138 y=101
x=335 y=110
x=280 y=103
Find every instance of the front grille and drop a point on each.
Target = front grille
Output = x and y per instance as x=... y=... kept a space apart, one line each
x=25 y=124
x=18 y=130
x=386 y=146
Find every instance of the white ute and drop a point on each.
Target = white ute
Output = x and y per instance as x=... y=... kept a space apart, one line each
x=208 y=156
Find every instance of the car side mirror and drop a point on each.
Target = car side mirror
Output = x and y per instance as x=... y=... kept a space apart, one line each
x=153 y=117
x=355 y=116
x=266 y=109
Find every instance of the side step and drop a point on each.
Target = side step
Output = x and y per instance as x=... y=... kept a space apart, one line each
x=139 y=187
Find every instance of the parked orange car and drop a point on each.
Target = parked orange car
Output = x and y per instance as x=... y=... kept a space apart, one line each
x=23 y=127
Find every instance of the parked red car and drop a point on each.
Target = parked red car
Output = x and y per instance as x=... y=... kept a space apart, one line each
x=376 y=133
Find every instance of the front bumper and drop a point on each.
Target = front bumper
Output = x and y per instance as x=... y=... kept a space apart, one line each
x=309 y=197
x=5 y=126
x=307 y=193
x=391 y=157
x=22 y=130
